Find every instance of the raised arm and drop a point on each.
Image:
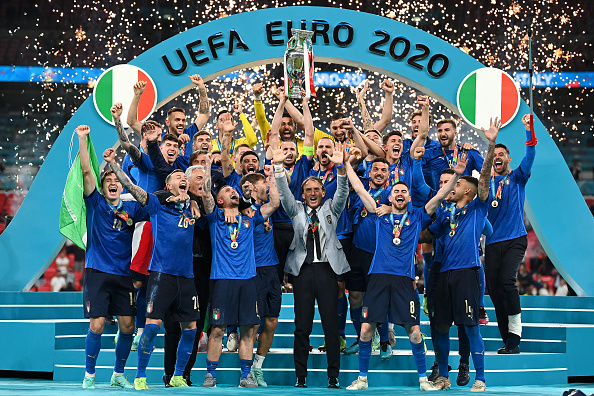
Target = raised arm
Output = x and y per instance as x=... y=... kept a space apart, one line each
x=204 y=104
x=386 y=118
x=132 y=150
x=424 y=125
x=347 y=124
x=443 y=192
x=89 y=182
x=228 y=128
x=367 y=200
x=342 y=185
x=132 y=118
x=152 y=145
x=373 y=147
x=138 y=193
x=309 y=129
x=367 y=123
x=418 y=180
x=260 y=111
x=268 y=208
x=250 y=136
x=528 y=160
x=491 y=135
x=285 y=194
x=278 y=118
x=207 y=198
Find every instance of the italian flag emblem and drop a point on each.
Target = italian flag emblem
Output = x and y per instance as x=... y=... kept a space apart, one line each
x=486 y=93
x=116 y=85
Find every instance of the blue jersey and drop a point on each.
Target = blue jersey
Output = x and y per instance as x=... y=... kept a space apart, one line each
x=438 y=159
x=298 y=173
x=364 y=237
x=109 y=237
x=461 y=249
x=173 y=236
x=229 y=263
x=438 y=232
x=344 y=227
x=429 y=144
x=508 y=217
x=148 y=177
x=265 y=254
x=393 y=259
x=363 y=169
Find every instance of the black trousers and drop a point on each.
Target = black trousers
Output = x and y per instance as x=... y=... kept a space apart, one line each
x=173 y=329
x=283 y=236
x=502 y=261
x=316 y=281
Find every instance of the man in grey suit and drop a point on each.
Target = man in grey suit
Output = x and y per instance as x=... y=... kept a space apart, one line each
x=315 y=258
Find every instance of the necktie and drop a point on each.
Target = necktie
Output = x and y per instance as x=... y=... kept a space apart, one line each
x=316 y=233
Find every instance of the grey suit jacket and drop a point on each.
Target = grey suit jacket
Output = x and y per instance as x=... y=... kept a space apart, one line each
x=328 y=215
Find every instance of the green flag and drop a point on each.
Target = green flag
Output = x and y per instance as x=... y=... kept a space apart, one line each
x=73 y=212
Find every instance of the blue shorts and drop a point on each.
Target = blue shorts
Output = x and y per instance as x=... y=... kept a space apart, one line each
x=457 y=297
x=108 y=294
x=394 y=295
x=234 y=302
x=171 y=295
x=357 y=278
x=269 y=292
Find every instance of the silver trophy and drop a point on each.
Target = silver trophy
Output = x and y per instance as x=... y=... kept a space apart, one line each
x=299 y=64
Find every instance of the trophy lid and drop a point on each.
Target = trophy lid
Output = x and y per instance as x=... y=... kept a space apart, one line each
x=302 y=33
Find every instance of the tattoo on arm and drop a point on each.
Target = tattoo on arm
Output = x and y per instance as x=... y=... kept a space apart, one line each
x=208 y=200
x=367 y=123
x=131 y=149
x=203 y=107
x=483 y=189
x=138 y=193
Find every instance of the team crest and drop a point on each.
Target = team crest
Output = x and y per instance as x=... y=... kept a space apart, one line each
x=149 y=307
x=246 y=223
x=88 y=306
x=364 y=312
x=329 y=219
x=216 y=314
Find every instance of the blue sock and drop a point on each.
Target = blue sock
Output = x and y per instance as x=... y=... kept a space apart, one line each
x=383 y=331
x=418 y=351
x=477 y=349
x=122 y=350
x=343 y=307
x=141 y=307
x=245 y=365
x=364 y=355
x=92 y=347
x=211 y=367
x=356 y=318
x=442 y=352
x=145 y=348
x=482 y=286
x=184 y=350
x=463 y=344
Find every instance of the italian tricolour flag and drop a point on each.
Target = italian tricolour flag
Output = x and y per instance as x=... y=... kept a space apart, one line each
x=487 y=93
x=116 y=85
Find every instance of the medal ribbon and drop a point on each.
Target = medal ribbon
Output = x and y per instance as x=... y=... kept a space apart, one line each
x=312 y=226
x=397 y=172
x=454 y=160
x=455 y=218
x=234 y=231
x=398 y=227
x=376 y=195
x=326 y=174
x=267 y=223
x=290 y=171
x=231 y=149
x=505 y=181
x=119 y=212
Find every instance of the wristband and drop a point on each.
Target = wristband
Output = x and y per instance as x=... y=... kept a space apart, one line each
x=257 y=97
x=308 y=150
x=340 y=166
x=278 y=168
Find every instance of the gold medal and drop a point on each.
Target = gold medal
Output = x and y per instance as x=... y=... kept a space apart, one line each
x=234 y=245
x=494 y=204
x=452 y=233
x=129 y=221
x=364 y=213
x=268 y=228
x=191 y=221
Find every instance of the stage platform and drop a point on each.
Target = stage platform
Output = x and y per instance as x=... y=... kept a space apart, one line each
x=44 y=332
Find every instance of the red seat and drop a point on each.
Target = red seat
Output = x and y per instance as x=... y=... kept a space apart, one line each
x=77 y=277
x=45 y=288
